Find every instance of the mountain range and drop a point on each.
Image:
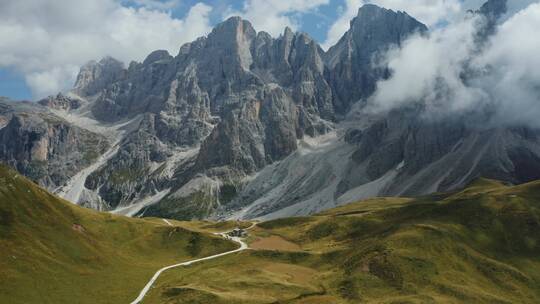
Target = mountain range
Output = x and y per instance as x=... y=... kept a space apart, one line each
x=243 y=125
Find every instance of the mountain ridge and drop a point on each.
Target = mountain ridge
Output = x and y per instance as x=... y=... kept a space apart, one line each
x=241 y=124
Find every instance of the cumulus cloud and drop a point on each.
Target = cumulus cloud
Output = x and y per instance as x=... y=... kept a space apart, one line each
x=450 y=72
x=47 y=40
x=426 y=66
x=513 y=81
x=156 y=4
x=273 y=16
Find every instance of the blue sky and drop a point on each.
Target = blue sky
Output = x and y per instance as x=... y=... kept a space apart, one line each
x=46 y=41
x=12 y=85
x=315 y=21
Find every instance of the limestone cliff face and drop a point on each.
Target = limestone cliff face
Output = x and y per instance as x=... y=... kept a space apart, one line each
x=46 y=148
x=131 y=173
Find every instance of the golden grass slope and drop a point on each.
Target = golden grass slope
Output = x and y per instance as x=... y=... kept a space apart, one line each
x=479 y=245
x=54 y=252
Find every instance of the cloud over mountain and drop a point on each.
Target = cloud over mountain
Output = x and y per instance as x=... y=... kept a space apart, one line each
x=450 y=71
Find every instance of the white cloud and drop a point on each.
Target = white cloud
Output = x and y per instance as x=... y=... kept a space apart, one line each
x=46 y=82
x=502 y=75
x=46 y=39
x=514 y=78
x=425 y=66
x=273 y=16
x=157 y=4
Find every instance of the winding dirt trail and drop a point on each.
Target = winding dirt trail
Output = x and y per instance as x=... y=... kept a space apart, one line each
x=243 y=246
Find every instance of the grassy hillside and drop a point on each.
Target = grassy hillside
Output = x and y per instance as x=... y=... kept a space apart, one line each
x=55 y=252
x=480 y=245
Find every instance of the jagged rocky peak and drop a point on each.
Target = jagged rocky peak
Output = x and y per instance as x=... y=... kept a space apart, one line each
x=46 y=148
x=234 y=34
x=234 y=27
x=374 y=30
x=378 y=25
x=95 y=76
x=282 y=60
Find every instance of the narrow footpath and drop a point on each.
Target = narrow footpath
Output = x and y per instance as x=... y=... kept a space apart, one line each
x=243 y=246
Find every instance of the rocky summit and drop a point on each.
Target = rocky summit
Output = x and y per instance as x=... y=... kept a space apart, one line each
x=240 y=124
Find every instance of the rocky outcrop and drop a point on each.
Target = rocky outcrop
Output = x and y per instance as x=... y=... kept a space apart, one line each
x=46 y=148
x=253 y=136
x=61 y=102
x=133 y=172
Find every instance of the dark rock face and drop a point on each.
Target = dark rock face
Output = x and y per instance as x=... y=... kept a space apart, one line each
x=351 y=69
x=46 y=148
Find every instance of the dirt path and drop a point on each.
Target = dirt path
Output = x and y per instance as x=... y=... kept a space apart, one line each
x=167 y=222
x=243 y=246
